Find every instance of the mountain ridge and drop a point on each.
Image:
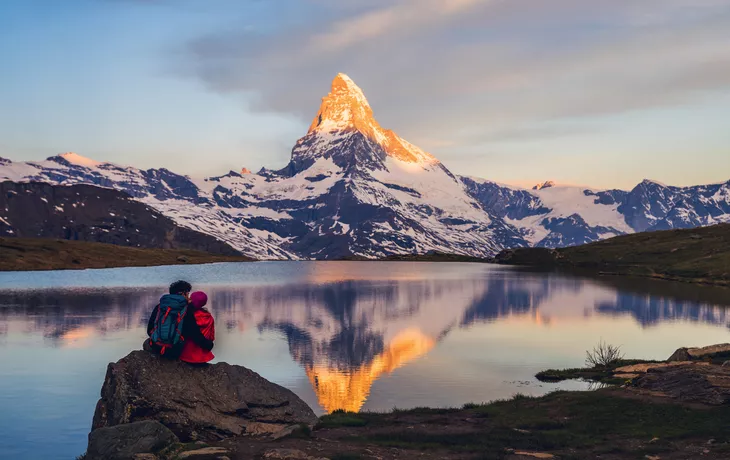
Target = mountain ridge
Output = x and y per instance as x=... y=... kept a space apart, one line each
x=354 y=189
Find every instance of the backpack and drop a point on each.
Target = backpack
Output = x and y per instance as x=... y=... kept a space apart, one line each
x=166 y=336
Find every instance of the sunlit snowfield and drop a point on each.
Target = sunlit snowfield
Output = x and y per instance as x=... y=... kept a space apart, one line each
x=342 y=335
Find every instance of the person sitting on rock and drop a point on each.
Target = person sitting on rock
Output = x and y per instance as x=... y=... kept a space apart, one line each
x=192 y=352
x=172 y=324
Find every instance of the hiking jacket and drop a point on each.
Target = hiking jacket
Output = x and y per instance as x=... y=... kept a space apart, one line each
x=190 y=330
x=192 y=352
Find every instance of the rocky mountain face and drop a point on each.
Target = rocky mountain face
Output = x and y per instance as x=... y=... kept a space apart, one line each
x=353 y=188
x=89 y=213
x=556 y=216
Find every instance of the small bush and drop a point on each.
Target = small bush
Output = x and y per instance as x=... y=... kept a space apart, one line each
x=603 y=355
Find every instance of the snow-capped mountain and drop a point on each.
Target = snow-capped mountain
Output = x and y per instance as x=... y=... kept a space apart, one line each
x=353 y=188
x=552 y=215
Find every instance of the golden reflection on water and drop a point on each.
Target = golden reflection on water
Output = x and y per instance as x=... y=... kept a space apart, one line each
x=78 y=337
x=348 y=389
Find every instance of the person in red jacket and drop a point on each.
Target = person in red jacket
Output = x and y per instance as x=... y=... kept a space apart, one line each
x=192 y=352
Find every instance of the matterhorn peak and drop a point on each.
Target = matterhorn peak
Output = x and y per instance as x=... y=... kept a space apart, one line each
x=342 y=84
x=344 y=108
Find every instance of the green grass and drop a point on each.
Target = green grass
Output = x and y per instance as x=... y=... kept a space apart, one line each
x=53 y=254
x=341 y=418
x=565 y=421
x=425 y=410
x=700 y=254
x=596 y=374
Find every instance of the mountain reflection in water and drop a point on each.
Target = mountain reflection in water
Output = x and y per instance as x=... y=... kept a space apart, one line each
x=348 y=333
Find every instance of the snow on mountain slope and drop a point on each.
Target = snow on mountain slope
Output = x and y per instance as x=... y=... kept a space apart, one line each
x=174 y=196
x=550 y=215
x=353 y=188
x=588 y=220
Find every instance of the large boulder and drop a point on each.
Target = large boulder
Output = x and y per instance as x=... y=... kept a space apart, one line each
x=122 y=442
x=197 y=403
x=715 y=353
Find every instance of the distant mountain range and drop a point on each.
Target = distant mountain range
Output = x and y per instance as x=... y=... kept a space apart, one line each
x=353 y=188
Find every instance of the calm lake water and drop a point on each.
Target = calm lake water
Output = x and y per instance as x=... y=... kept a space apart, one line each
x=342 y=335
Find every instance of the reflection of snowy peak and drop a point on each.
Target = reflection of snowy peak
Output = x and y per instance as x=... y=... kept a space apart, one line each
x=353 y=188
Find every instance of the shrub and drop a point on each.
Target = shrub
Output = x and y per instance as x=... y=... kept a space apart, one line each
x=603 y=355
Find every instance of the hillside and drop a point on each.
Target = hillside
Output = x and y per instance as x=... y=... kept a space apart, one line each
x=18 y=254
x=94 y=214
x=699 y=255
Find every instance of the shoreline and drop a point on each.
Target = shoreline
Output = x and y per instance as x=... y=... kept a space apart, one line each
x=605 y=423
x=45 y=254
x=660 y=411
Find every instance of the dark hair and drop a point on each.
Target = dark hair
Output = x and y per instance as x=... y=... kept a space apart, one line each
x=180 y=287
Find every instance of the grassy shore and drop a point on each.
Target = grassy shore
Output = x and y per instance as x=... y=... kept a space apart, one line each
x=700 y=255
x=49 y=254
x=604 y=424
x=601 y=374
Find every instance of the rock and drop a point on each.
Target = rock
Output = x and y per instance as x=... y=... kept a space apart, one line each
x=289 y=454
x=144 y=457
x=182 y=259
x=285 y=432
x=626 y=376
x=197 y=403
x=643 y=368
x=206 y=451
x=122 y=442
x=726 y=364
x=696 y=383
x=534 y=454
x=694 y=354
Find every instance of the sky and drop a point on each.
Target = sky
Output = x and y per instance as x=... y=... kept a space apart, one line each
x=586 y=92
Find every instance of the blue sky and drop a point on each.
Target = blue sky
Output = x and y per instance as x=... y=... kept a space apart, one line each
x=519 y=91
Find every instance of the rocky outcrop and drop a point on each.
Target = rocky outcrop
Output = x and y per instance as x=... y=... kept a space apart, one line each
x=690 y=382
x=713 y=353
x=646 y=367
x=122 y=442
x=197 y=403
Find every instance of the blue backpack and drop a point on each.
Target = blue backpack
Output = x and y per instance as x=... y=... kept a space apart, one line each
x=167 y=332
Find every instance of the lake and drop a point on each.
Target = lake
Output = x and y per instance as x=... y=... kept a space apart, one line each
x=341 y=335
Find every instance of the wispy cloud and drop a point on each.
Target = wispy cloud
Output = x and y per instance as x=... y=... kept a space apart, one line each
x=479 y=68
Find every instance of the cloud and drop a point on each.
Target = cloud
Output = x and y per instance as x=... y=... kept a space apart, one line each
x=475 y=70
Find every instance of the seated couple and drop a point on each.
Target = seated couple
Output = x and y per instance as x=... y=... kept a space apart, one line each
x=180 y=327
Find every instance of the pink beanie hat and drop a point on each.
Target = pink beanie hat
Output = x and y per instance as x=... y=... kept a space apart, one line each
x=198 y=299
